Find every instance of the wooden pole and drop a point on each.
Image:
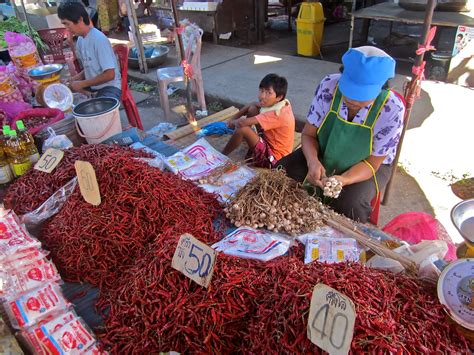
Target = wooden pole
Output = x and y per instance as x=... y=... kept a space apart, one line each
x=189 y=101
x=137 y=37
x=411 y=96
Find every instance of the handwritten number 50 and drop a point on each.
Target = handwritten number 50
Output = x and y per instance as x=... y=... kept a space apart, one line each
x=203 y=265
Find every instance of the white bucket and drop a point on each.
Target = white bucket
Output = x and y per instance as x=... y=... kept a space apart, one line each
x=98 y=119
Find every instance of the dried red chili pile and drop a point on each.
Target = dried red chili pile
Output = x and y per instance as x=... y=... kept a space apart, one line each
x=32 y=189
x=139 y=204
x=256 y=307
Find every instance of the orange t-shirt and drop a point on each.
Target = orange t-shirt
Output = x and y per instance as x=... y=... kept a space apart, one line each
x=279 y=130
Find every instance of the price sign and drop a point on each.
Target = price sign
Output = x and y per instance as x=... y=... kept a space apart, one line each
x=49 y=160
x=87 y=182
x=331 y=320
x=194 y=259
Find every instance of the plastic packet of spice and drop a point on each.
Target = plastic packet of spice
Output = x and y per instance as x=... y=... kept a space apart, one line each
x=33 y=337
x=14 y=238
x=50 y=207
x=72 y=338
x=252 y=243
x=331 y=250
x=23 y=258
x=325 y=232
x=178 y=162
x=204 y=158
x=230 y=183
x=27 y=278
x=31 y=307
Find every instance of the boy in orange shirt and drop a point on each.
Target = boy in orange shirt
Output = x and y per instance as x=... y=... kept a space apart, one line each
x=275 y=122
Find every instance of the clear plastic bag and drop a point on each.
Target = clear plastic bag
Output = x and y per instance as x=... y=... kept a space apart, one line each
x=246 y=242
x=56 y=141
x=49 y=207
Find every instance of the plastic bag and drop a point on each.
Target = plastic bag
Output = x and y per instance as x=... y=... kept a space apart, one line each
x=28 y=309
x=49 y=207
x=251 y=243
x=161 y=129
x=9 y=91
x=72 y=338
x=56 y=141
x=32 y=336
x=22 y=51
x=414 y=227
x=13 y=109
x=216 y=128
x=331 y=250
x=24 y=83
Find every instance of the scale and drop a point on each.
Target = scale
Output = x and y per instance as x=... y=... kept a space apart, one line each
x=46 y=76
x=456 y=282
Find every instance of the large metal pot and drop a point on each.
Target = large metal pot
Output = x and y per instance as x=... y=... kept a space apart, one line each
x=157 y=58
x=442 y=5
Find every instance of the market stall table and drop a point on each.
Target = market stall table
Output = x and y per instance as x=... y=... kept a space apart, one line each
x=394 y=13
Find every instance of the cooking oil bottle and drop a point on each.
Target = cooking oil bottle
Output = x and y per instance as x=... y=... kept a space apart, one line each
x=6 y=174
x=26 y=139
x=17 y=155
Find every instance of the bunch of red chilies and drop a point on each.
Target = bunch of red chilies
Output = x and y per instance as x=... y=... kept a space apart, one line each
x=125 y=247
x=32 y=189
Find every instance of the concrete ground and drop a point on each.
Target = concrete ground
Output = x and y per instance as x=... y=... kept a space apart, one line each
x=437 y=149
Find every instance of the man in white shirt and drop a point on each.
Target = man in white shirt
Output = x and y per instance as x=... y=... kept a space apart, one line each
x=101 y=74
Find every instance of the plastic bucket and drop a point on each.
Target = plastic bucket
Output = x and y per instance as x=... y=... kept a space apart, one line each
x=98 y=119
x=309 y=29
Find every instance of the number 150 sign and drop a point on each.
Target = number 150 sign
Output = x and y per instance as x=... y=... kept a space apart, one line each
x=194 y=259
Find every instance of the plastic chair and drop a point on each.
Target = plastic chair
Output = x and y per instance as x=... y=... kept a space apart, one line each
x=55 y=39
x=128 y=102
x=192 y=55
x=376 y=201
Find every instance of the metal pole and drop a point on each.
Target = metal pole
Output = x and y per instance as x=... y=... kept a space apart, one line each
x=26 y=19
x=132 y=18
x=189 y=101
x=351 y=36
x=410 y=96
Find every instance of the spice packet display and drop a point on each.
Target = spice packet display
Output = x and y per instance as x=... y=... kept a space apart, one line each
x=23 y=258
x=28 y=309
x=14 y=238
x=252 y=243
x=16 y=281
x=33 y=337
x=196 y=160
x=331 y=250
x=230 y=183
x=73 y=338
x=325 y=232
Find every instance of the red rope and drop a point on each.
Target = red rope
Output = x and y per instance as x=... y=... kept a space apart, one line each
x=419 y=70
x=188 y=69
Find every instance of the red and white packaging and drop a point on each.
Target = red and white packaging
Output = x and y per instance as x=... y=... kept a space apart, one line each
x=51 y=324
x=94 y=350
x=73 y=338
x=29 y=277
x=14 y=238
x=28 y=309
x=23 y=258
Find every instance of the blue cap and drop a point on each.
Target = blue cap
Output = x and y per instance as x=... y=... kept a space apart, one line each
x=366 y=70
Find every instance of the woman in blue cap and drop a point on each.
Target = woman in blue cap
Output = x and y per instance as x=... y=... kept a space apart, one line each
x=352 y=132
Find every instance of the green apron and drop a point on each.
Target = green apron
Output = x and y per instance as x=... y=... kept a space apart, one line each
x=343 y=144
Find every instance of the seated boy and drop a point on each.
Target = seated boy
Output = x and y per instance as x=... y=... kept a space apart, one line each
x=275 y=122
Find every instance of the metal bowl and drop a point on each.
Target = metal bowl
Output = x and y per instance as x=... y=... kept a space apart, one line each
x=95 y=107
x=160 y=53
x=45 y=71
x=462 y=216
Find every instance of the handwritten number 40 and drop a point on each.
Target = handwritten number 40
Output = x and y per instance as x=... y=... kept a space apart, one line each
x=324 y=312
x=205 y=261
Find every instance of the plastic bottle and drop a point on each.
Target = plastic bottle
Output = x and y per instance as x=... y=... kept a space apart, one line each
x=4 y=135
x=6 y=174
x=17 y=155
x=26 y=139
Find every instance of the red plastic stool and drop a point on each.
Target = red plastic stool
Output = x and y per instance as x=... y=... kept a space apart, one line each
x=121 y=51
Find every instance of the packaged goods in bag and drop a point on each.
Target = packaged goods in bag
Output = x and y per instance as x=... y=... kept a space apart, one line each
x=251 y=243
x=56 y=141
x=27 y=278
x=29 y=308
x=331 y=250
x=22 y=51
x=14 y=239
x=73 y=338
x=34 y=336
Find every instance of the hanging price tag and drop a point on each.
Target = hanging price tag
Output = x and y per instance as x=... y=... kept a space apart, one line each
x=49 y=160
x=194 y=259
x=87 y=182
x=331 y=320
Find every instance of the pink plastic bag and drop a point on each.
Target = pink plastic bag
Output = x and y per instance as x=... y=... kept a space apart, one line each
x=413 y=227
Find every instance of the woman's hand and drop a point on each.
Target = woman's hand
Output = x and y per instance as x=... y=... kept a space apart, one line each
x=316 y=173
x=231 y=124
